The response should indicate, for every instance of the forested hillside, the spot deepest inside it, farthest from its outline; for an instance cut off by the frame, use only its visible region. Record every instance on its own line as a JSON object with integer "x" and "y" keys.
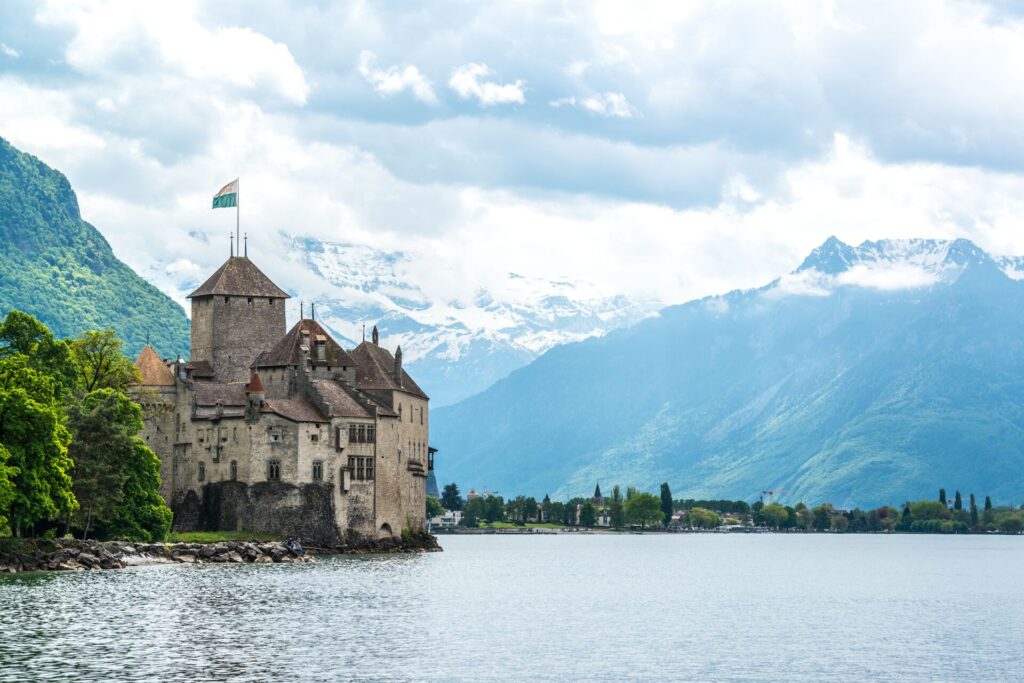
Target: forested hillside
{"x": 60, "y": 269}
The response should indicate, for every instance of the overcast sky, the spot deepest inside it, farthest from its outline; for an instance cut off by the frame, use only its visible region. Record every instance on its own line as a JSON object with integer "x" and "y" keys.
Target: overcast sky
{"x": 663, "y": 150}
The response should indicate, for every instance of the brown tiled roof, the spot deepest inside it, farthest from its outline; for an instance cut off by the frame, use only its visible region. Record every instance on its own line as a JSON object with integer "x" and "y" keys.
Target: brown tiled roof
{"x": 199, "y": 368}
{"x": 255, "y": 385}
{"x": 212, "y": 393}
{"x": 152, "y": 370}
{"x": 375, "y": 367}
{"x": 239, "y": 277}
{"x": 341, "y": 401}
{"x": 287, "y": 352}
{"x": 294, "y": 409}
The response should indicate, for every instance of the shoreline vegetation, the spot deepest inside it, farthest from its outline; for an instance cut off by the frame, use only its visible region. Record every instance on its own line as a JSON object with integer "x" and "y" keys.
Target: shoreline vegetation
{"x": 640, "y": 511}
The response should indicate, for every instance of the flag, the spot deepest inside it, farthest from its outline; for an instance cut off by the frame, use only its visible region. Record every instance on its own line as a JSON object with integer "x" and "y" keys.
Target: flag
{"x": 227, "y": 196}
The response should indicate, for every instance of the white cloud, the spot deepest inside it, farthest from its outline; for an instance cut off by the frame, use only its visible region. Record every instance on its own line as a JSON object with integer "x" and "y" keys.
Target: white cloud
{"x": 393, "y": 79}
{"x": 886, "y": 277}
{"x": 465, "y": 80}
{"x": 152, "y": 39}
{"x": 9, "y": 51}
{"x": 611, "y": 104}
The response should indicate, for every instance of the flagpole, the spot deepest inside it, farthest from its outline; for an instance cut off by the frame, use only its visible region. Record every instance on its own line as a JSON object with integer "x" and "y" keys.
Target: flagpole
{"x": 238, "y": 208}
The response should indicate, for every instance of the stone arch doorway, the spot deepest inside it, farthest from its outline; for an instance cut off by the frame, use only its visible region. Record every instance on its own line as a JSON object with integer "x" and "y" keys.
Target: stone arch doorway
{"x": 385, "y": 531}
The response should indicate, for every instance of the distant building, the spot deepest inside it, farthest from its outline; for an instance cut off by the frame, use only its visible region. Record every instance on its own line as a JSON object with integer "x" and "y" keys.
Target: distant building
{"x": 598, "y": 499}
{"x": 448, "y": 520}
{"x": 284, "y": 431}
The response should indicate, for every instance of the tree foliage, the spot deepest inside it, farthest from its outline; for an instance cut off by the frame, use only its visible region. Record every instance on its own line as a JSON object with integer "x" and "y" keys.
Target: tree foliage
{"x": 101, "y": 363}
{"x": 644, "y": 509}
{"x": 450, "y": 498}
{"x": 588, "y": 515}
{"x": 434, "y": 507}
{"x": 666, "y": 503}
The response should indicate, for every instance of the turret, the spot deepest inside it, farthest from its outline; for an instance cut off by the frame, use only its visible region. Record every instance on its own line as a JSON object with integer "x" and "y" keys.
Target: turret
{"x": 375, "y": 336}
{"x": 398, "y": 366}
{"x": 255, "y": 396}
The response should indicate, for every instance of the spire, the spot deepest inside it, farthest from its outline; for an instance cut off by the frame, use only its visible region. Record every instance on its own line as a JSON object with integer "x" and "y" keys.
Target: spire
{"x": 246, "y": 238}
{"x": 398, "y": 365}
{"x": 597, "y": 490}
{"x": 375, "y": 336}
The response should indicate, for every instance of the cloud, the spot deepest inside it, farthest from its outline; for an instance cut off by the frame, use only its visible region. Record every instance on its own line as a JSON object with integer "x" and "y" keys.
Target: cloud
{"x": 154, "y": 39}
{"x": 9, "y": 51}
{"x": 465, "y": 80}
{"x": 887, "y": 277}
{"x": 393, "y": 80}
{"x": 611, "y": 104}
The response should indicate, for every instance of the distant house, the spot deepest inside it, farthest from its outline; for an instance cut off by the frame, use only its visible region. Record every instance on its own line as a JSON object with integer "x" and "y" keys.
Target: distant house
{"x": 448, "y": 520}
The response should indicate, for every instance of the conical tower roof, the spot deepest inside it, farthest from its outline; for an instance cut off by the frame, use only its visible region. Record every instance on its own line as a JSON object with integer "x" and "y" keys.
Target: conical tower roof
{"x": 239, "y": 277}
{"x": 152, "y": 370}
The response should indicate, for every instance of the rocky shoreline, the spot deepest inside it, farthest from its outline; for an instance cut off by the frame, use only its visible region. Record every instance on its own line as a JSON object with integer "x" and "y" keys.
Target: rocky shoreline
{"x": 31, "y": 555}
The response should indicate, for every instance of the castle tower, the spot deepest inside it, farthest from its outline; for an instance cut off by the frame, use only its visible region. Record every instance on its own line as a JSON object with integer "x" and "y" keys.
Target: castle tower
{"x": 236, "y": 314}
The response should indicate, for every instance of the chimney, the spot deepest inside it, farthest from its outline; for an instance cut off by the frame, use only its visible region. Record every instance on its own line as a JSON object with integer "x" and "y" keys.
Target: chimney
{"x": 182, "y": 372}
{"x": 375, "y": 336}
{"x": 398, "y": 365}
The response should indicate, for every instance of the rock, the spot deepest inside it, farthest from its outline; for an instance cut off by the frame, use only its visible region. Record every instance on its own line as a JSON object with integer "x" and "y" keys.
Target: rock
{"x": 207, "y": 551}
{"x": 88, "y": 559}
{"x": 223, "y": 557}
{"x": 263, "y": 559}
{"x": 233, "y": 556}
{"x": 187, "y": 558}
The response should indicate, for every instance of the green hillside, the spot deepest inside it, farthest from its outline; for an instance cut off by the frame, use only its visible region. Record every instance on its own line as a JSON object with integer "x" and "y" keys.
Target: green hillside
{"x": 59, "y": 268}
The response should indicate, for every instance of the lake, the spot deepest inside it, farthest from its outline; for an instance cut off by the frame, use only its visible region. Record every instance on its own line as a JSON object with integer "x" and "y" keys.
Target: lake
{"x": 706, "y": 607}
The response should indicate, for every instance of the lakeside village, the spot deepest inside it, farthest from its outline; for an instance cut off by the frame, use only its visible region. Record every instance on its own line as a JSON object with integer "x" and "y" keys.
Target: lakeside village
{"x": 640, "y": 511}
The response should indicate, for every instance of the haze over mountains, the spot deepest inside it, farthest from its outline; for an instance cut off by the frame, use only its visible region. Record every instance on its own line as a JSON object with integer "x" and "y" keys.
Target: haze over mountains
{"x": 868, "y": 375}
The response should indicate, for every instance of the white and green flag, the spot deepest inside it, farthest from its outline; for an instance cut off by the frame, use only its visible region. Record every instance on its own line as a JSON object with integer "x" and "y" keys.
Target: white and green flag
{"x": 227, "y": 196}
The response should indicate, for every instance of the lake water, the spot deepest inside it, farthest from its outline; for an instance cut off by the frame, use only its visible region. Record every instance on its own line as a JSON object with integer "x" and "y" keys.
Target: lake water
{"x": 703, "y": 607}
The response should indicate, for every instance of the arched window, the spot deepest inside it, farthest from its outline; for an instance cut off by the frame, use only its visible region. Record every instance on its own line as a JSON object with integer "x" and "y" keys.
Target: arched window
{"x": 202, "y": 471}
{"x": 234, "y": 470}
{"x": 318, "y": 470}
{"x": 273, "y": 470}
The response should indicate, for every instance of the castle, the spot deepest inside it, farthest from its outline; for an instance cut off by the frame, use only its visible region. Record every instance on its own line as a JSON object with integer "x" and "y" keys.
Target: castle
{"x": 282, "y": 431}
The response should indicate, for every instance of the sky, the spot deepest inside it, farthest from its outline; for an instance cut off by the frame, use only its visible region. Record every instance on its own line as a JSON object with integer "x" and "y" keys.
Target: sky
{"x": 664, "y": 150}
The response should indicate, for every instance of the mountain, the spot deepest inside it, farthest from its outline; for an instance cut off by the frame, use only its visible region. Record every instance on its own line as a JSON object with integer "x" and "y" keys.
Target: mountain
{"x": 454, "y": 348}
{"x": 869, "y": 375}
{"x": 59, "y": 268}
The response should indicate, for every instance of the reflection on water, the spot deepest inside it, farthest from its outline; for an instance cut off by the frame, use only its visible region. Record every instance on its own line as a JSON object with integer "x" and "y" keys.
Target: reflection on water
{"x": 690, "y": 607}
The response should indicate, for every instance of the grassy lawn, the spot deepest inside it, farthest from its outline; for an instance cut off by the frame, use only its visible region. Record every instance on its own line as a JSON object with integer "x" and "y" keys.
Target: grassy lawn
{"x": 217, "y": 536}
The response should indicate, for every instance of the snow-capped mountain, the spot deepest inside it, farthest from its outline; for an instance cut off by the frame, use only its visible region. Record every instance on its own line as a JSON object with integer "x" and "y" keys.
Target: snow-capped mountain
{"x": 455, "y": 347}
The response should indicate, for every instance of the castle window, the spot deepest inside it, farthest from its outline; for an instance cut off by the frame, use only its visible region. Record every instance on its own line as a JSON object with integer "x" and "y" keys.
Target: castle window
{"x": 227, "y": 299}
{"x": 275, "y": 437}
{"x": 273, "y": 470}
{"x": 202, "y": 471}
{"x": 421, "y": 415}
{"x": 362, "y": 434}
{"x": 371, "y": 434}
{"x": 352, "y": 434}
{"x": 337, "y": 438}
{"x": 314, "y": 438}
{"x": 318, "y": 470}
{"x": 234, "y": 434}
{"x": 399, "y": 411}
{"x": 270, "y": 302}
{"x": 234, "y": 470}
{"x": 361, "y": 466}
{"x": 249, "y": 301}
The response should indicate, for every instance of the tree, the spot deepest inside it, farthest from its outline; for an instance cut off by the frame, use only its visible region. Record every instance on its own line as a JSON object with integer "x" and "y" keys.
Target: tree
{"x": 630, "y": 492}
{"x": 473, "y": 512}
{"x": 924, "y": 510}
{"x": 840, "y": 523}
{"x": 644, "y": 509}
{"x": 33, "y": 434}
{"x": 974, "y": 513}
{"x": 702, "y": 518}
{"x": 529, "y": 508}
{"x": 450, "y": 498}
{"x": 942, "y": 496}
{"x": 6, "y": 489}
{"x": 101, "y": 363}
{"x": 616, "y": 509}
{"x": 958, "y": 503}
{"x": 434, "y": 507}
{"x": 588, "y": 515}
{"x": 988, "y": 503}
{"x": 821, "y": 517}
{"x": 775, "y": 515}
{"x": 102, "y": 431}
{"x": 23, "y": 335}
{"x": 666, "y": 503}
{"x": 1011, "y": 524}
{"x": 494, "y": 509}
{"x": 115, "y": 472}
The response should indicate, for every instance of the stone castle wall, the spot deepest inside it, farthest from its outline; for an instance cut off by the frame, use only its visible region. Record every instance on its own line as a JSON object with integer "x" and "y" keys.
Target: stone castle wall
{"x": 230, "y": 331}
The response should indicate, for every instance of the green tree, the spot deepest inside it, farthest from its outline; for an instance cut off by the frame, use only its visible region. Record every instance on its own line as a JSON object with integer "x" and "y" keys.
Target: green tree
{"x": 23, "y": 335}
{"x": 494, "y": 509}
{"x": 588, "y": 515}
{"x": 821, "y": 517}
{"x": 6, "y": 489}
{"x": 101, "y": 363}
{"x": 924, "y": 510}
{"x": 142, "y": 514}
{"x": 988, "y": 503}
{"x": 1011, "y": 524}
{"x": 450, "y": 497}
{"x": 666, "y": 503}
{"x": 644, "y": 509}
{"x": 775, "y": 515}
{"x": 103, "y": 426}
{"x": 630, "y": 492}
{"x": 958, "y": 503}
{"x": 115, "y": 472}
{"x": 434, "y": 507}
{"x": 974, "y": 513}
{"x": 942, "y": 496}
{"x": 473, "y": 512}
{"x": 840, "y": 523}
{"x": 616, "y": 509}
{"x": 702, "y": 518}
{"x": 36, "y": 441}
